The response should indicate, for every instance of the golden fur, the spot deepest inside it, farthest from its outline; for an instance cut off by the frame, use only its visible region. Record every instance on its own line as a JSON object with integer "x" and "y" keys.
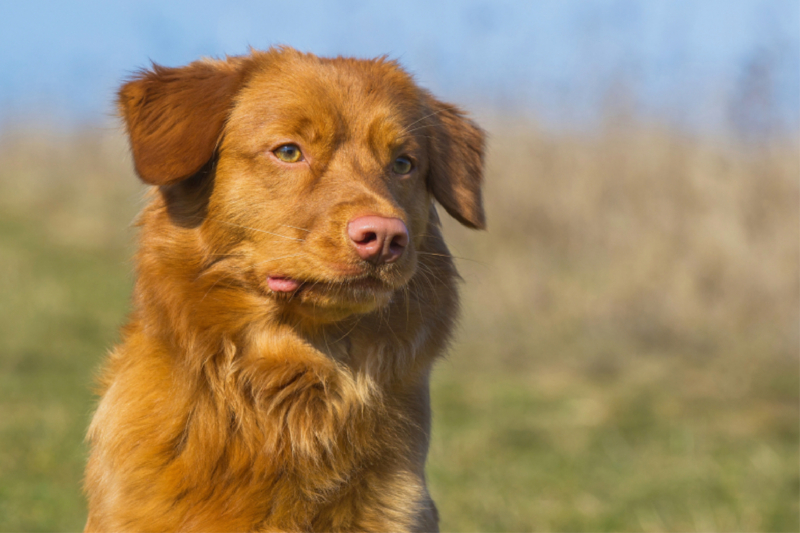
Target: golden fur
{"x": 230, "y": 407}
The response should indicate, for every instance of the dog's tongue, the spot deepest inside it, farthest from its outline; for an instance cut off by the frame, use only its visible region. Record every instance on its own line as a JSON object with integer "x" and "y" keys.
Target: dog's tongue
{"x": 282, "y": 284}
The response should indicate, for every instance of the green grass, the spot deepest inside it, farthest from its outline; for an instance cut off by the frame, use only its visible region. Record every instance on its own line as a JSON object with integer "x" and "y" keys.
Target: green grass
{"x": 60, "y": 309}
{"x": 511, "y": 454}
{"x": 627, "y": 361}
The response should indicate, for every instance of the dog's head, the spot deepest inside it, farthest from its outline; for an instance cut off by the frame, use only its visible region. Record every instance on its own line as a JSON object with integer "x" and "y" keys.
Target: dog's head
{"x": 309, "y": 180}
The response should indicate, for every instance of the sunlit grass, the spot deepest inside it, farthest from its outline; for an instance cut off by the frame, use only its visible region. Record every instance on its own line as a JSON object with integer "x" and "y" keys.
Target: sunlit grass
{"x": 60, "y": 309}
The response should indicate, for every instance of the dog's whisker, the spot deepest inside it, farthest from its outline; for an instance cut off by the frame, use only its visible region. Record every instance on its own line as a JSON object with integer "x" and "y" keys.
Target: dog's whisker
{"x": 427, "y": 274}
{"x": 411, "y": 134}
{"x": 355, "y": 324}
{"x": 254, "y": 229}
{"x": 451, "y": 256}
{"x": 385, "y": 320}
{"x": 295, "y": 227}
{"x": 426, "y": 116}
{"x": 277, "y": 258}
{"x": 218, "y": 280}
{"x": 406, "y": 299}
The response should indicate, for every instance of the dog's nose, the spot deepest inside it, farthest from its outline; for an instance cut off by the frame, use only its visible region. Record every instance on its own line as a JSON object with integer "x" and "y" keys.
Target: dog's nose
{"x": 378, "y": 239}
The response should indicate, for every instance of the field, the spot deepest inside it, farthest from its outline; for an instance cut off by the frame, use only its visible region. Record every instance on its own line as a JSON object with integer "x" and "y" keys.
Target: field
{"x": 627, "y": 359}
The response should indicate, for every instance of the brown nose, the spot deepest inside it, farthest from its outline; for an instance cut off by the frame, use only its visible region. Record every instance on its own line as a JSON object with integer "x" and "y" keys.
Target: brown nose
{"x": 378, "y": 239}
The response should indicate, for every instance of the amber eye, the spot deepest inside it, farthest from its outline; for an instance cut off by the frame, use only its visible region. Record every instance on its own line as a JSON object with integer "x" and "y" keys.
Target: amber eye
{"x": 288, "y": 153}
{"x": 402, "y": 165}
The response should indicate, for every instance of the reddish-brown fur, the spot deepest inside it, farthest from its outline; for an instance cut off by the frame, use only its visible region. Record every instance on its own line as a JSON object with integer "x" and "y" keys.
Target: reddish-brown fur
{"x": 228, "y": 407}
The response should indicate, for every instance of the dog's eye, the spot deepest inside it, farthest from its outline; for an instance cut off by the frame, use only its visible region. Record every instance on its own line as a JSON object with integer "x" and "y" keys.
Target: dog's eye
{"x": 288, "y": 153}
{"x": 402, "y": 165}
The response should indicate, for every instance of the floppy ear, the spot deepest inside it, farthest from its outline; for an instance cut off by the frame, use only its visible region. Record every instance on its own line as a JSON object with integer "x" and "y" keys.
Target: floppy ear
{"x": 174, "y": 116}
{"x": 455, "y": 176}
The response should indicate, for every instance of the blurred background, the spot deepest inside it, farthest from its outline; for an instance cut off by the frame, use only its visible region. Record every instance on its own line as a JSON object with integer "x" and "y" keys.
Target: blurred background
{"x": 628, "y": 359}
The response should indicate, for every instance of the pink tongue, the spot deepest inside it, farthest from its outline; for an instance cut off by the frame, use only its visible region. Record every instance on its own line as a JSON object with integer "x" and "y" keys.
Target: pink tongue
{"x": 282, "y": 284}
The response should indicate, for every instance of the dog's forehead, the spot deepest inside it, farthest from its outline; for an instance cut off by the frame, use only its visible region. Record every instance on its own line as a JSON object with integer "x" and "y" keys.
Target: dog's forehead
{"x": 339, "y": 92}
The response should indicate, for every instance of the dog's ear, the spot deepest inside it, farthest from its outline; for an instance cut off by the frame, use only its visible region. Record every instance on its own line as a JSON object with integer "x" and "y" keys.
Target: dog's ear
{"x": 174, "y": 116}
{"x": 455, "y": 176}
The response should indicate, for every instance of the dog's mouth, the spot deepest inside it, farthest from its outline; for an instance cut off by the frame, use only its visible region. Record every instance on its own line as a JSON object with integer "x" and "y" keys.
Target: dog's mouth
{"x": 347, "y": 289}
{"x": 331, "y": 300}
{"x": 286, "y": 286}
{"x": 340, "y": 290}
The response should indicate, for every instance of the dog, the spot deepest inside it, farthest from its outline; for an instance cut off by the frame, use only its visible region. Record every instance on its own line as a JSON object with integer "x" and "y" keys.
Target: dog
{"x": 293, "y": 290}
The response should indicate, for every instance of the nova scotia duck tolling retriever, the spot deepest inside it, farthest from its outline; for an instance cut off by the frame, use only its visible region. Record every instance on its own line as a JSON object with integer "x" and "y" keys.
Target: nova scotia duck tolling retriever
{"x": 293, "y": 291}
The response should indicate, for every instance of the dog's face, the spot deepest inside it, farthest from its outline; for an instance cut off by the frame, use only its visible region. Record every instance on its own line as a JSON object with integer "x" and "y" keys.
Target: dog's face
{"x": 310, "y": 180}
{"x": 307, "y": 155}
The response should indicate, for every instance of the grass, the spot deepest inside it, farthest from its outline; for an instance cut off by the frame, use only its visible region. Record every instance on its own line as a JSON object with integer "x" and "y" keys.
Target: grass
{"x": 60, "y": 309}
{"x": 627, "y": 361}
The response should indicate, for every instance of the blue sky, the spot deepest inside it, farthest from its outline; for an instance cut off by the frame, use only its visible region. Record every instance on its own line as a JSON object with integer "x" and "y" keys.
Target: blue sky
{"x": 684, "y": 61}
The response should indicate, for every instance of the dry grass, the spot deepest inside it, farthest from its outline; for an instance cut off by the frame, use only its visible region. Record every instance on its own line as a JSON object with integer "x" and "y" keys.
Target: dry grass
{"x": 660, "y": 240}
{"x": 628, "y": 358}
